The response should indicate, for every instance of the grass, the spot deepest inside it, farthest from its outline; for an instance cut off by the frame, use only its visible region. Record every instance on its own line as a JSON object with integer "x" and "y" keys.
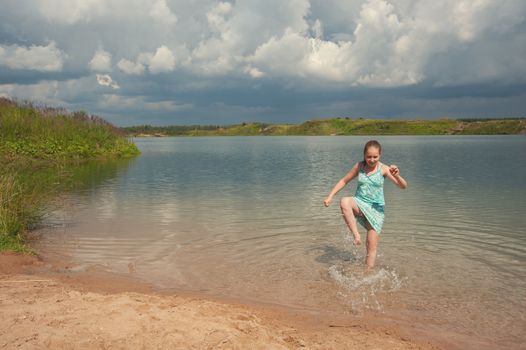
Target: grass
{"x": 39, "y": 147}
{"x": 24, "y": 189}
{"x": 51, "y": 134}
{"x": 19, "y": 205}
{"x": 493, "y": 127}
{"x": 344, "y": 126}
{"x": 14, "y": 244}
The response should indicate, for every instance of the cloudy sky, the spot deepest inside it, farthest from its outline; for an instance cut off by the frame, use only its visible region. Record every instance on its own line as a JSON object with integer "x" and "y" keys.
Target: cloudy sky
{"x": 165, "y": 62}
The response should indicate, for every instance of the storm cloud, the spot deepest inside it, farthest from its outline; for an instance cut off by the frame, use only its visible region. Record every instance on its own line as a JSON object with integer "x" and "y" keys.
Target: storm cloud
{"x": 209, "y": 62}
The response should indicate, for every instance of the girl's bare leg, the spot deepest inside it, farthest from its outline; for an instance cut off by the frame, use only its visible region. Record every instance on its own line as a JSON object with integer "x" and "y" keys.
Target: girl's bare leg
{"x": 371, "y": 244}
{"x": 349, "y": 211}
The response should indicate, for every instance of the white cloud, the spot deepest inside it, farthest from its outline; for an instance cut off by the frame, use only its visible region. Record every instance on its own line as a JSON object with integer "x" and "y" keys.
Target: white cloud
{"x": 254, "y": 72}
{"x": 162, "y": 61}
{"x": 43, "y": 92}
{"x": 161, "y": 12}
{"x": 40, "y": 58}
{"x": 71, "y": 11}
{"x": 355, "y": 42}
{"x": 317, "y": 29}
{"x": 130, "y": 67}
{"x": 236, "y": 30}
{"x": 392, "y": 44}
{"x": 101, "y": 61}
{"x": 106, "y": 80}
{"x": 216, "y": 16}
{"x": 383, "y": 51}
{"x": 301, "y": 44}
{"x": 311, "y": 57}
{"x": 372, "y": 59}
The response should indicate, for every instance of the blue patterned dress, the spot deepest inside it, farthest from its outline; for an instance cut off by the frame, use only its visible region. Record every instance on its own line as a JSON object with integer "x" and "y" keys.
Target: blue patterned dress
{"x": 370, "y": 198}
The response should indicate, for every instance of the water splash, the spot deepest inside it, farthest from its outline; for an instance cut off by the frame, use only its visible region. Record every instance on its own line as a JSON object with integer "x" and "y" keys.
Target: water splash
{"x": 363, "y": 290}
{"x": 359, "y": 288}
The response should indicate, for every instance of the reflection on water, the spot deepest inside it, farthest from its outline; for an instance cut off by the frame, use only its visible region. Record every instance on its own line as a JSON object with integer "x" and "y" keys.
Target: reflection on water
{"x": 243, "y": 217}
{"x": 83, "y": 178}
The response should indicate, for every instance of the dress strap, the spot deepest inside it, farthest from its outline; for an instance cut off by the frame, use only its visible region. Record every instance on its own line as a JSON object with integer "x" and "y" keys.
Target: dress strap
{"x": 378, "y": 168}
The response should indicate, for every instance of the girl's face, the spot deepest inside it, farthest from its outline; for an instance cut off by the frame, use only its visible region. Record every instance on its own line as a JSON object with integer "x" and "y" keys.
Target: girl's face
{"x": 372, "y": 156}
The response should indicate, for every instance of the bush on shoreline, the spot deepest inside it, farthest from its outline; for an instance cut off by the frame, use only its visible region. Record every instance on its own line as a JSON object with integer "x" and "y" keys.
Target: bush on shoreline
{"x": 37, "y": 145}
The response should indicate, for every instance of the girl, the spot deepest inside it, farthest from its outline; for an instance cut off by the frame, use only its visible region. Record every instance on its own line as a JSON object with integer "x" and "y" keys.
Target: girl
{"x": 367, "y": 205}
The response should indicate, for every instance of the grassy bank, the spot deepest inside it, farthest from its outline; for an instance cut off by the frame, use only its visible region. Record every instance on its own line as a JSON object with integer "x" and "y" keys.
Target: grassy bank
{"x": 343, "y": 126}
{"x": 39, "y": 147}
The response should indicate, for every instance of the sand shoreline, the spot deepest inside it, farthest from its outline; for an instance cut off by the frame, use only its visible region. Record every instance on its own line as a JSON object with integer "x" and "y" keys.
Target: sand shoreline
{"x": 45, "y": 306}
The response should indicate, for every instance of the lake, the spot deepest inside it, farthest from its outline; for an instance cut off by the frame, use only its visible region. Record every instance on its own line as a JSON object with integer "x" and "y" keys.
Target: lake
{"x": 243, "y": 217}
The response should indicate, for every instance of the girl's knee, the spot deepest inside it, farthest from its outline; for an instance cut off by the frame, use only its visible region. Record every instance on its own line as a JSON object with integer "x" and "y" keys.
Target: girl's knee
{"x": 345, "y": 203}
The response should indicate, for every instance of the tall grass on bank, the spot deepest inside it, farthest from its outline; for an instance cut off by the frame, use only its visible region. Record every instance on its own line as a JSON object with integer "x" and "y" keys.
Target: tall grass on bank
{"x": 38, "y": 147}
{"x": 19, "y": 209}
{"x": 53, "y": 134}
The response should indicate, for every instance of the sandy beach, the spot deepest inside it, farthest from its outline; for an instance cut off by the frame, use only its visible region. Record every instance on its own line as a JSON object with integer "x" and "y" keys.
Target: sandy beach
{"x": 45, "y": 306}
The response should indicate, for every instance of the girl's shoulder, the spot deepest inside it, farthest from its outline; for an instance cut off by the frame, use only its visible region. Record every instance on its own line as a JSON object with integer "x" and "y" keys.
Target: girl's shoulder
{"x": 384, "y": 169}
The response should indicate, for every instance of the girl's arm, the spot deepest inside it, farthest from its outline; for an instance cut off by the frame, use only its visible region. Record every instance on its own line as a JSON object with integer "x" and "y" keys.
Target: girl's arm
{"x": 341, "y": 184}
{"x": 393, "y": 173}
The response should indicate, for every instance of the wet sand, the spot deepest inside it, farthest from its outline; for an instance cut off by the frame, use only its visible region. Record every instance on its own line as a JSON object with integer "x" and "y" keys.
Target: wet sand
{"x": 49, "y": 305}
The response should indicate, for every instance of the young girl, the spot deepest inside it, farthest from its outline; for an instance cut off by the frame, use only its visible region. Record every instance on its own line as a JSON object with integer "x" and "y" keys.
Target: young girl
{"x": 367, "y": 205}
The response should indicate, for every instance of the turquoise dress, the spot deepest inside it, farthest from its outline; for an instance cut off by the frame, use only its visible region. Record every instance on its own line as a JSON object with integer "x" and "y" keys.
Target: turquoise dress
{"x": 370, "y": 198}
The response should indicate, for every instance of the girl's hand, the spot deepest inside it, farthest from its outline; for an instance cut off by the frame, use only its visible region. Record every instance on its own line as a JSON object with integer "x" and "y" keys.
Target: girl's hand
{"x": 395, "y": 177}
{"x": 327, "y": 201}
{"x": 393, "y": 169}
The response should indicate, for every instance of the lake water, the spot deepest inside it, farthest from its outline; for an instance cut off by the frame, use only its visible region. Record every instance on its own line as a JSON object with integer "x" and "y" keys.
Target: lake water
{"x": 243, "y": 217}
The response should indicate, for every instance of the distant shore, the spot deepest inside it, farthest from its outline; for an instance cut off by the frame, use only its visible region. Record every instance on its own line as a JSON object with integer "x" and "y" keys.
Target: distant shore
{"x": 341, "y": 126}
{"x": 49, "y": 305}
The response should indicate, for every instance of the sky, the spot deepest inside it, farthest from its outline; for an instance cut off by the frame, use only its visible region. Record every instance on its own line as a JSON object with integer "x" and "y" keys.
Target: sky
{"x": 181, "y": 62}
